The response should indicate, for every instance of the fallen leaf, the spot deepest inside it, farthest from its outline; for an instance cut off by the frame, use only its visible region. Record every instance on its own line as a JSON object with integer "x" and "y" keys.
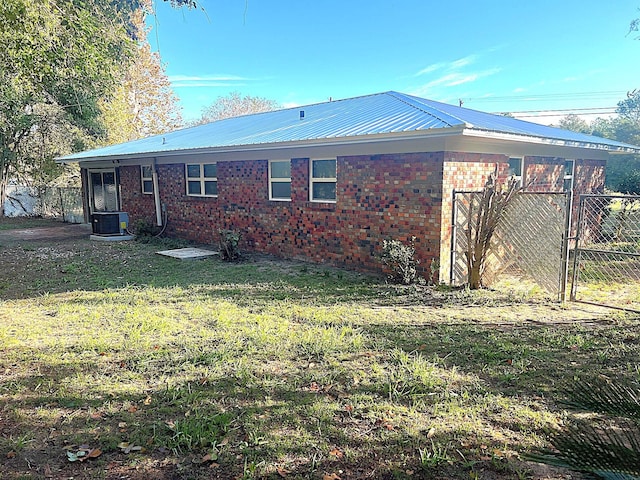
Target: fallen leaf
{"x": 348, "y": 408}
{"x": 47, "y": 471}
{"x": 388, "y": 426}
{"x": 72, "y": 457}
{"x": 282, "y": 472}
{"x": 11, "y": 454}
{"x": 336, "y": 452}
{"x": 431, "y": 433}
{"x": 94, "y": 453}
{"x": 332, "y": 476}
{"x": 214, "y": 465}
{"x": 409, "y": 472}
{"x": 147, "y": 401}
{"x": 133, "y": 409}
{"x": 122, "y": 425}
{"x": 223, "y": 442}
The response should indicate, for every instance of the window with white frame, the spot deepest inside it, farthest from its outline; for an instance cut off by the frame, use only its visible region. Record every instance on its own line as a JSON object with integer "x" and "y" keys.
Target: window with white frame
{"x": 146, "y": 174}
{"x": 202, "y": 179}
{"x": 280, "y": 180}
{"x": 323, "y": 180}
{"x": 516, "y": 168}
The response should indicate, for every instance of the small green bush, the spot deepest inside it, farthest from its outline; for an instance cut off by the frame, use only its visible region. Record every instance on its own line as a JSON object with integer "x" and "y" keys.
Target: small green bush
{"x": 144, "y": 230}
{"x": 399, "y": 258}
{"x": 229, "y": 245}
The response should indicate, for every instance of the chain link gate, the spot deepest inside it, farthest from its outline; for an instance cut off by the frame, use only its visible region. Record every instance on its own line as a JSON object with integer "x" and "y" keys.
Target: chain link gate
{"x": 530, "y": 240}
{"x": 606, "y": 263}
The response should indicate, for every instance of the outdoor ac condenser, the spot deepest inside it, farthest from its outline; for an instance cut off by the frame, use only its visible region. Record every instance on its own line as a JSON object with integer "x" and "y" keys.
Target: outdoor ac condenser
{"x": 109, "y": 223}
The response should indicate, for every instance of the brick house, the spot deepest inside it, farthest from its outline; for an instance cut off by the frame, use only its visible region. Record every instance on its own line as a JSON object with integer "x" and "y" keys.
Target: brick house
{"x": 329, "y": 182}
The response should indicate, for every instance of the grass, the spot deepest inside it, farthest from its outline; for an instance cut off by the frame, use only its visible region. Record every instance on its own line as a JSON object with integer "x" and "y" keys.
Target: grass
{"x": 273, "y": 369}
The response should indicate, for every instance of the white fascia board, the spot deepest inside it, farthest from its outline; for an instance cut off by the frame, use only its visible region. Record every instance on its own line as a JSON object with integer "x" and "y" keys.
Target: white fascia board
{"x": 338, "y": 143}
{"x": 510, "y": 137}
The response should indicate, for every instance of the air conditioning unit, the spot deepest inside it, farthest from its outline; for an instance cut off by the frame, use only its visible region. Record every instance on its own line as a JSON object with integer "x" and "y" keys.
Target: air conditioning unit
{"x": 109, "y": 223}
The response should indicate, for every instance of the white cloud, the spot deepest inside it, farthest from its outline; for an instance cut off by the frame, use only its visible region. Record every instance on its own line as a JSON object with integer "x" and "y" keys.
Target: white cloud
{"x": 444, "y": 75}
{"x": 448, "y": 66}
{"x": 217, "y": 80}
{"x": 454, "y": 79}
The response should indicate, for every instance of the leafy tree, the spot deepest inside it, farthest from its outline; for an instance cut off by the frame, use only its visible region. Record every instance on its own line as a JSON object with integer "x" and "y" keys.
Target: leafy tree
{"x": 575, "y": 124}
{"x": 58, "y": 59}
{"x": 235, "y": 105}
{"x": 622, "y": 171}
{"x": 143, "y": 103}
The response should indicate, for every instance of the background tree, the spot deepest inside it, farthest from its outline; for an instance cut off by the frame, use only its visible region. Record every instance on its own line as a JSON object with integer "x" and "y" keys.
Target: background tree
{"x": 622, "y": 171}
{"x": 143, "y": 103}
{"x": 58, "y": 60}
{"x": 235, "y": 105}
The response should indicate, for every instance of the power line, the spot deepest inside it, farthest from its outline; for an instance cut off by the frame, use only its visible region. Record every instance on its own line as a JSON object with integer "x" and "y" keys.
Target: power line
{"x": 551, "y": 96}
{"x": 562, "y": 112}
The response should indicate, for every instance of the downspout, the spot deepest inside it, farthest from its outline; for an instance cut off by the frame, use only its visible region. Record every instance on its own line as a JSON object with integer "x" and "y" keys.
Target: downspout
{"x": 156, "y": 192}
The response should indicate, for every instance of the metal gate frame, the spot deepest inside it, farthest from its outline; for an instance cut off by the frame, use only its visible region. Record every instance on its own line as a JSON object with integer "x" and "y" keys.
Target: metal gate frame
{"x": 563, "y": 247}
{"x": 581, "y": 248}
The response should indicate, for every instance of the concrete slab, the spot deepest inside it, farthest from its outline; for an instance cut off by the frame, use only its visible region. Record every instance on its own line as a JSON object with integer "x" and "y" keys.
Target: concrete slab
{"x": 111, "y": 238}
{"x": 188, "y": 253}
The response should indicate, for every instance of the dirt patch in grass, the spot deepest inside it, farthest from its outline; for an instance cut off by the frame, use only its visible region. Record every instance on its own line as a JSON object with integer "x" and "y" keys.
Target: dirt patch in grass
{"x": 273, "y": 369}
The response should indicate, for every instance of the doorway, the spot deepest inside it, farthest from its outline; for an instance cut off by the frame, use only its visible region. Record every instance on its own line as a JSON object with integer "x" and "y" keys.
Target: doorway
{"x": 104, "y": 191}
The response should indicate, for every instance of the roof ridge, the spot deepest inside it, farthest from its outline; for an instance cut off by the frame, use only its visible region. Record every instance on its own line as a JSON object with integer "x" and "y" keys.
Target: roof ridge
{"x": 409, "y": 100}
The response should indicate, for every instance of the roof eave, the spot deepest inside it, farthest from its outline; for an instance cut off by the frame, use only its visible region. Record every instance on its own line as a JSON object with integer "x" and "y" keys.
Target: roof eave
{"x": 496, "y": 135}
{"x": 322, "y": 142}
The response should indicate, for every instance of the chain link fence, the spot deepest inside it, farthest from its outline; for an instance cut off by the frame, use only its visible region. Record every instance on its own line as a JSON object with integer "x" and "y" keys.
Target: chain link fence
{"x": 606, "y": 258}
{"x": 64, "y": 203}
{"x": 529, "y": 241}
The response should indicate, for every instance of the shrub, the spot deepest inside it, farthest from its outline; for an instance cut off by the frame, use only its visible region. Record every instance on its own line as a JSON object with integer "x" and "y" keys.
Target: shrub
{"x": 145, "y": 230}
{"x": 229, "y": 245}
{"x": 400, "y": 259}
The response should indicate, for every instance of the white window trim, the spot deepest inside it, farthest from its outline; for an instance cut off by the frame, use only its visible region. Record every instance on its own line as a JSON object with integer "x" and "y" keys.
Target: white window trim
{"x": 202, "y": 179}
{"x": 313, "y": 180}
{"x": 519, "y": 178}
{"x": 277, "y": 180}
{"x": 146, "y": 179}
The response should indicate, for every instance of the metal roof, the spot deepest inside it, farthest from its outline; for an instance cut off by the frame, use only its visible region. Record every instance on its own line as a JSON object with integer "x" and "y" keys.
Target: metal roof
{"x": 388, "y": 114}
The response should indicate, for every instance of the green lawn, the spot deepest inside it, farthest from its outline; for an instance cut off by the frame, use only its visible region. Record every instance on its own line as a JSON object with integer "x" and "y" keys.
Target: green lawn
{"x": 272, "y": 369}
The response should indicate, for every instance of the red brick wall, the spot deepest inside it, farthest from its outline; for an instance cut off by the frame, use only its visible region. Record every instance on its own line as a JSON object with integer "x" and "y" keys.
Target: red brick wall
{"x": 463, "y": 171}
{"x": 139, "y": 206}
{"x": 379, "y": 197}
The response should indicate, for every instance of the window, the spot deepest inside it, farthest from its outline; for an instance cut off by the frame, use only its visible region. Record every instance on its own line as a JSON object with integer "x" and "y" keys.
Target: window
{"x": 323, "y": 180}
{"x": 280, "y": 180}
{"x": 569, "y": 166}
{"x": 202, "y": 179}
{"x": 516, "y": 167}
{"x": 146, "y": 172}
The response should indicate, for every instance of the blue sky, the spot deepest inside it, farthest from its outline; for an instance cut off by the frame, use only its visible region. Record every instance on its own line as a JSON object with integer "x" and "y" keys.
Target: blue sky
{"x": 495, "y": 55}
